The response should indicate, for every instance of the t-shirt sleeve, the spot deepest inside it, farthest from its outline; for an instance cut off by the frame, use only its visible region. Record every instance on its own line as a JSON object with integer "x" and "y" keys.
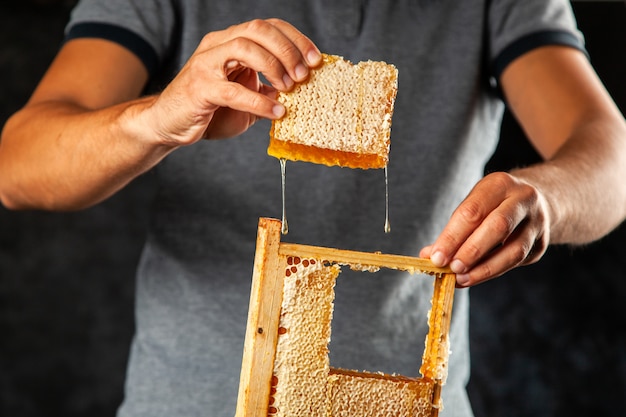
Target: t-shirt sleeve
{"x": 145, "y": 27}
{"x": 516, "y": 27}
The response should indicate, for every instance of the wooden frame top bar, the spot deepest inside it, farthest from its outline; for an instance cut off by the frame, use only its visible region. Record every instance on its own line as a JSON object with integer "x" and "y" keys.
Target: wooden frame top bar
{"x": 365, "y": 259}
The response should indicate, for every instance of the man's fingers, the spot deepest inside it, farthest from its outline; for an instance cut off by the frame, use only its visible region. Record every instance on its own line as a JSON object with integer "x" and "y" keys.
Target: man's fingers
{"x": 289, "y": 46}
{"x": 307, "y": 48}
{"x": 501, "y": 224}
{"x": 520, "y": 249}
{"x": 288, "y": 53}
{"x": 237, "y": 97}
{"x": 494, "y": 230}
{"x": 470, "y": 214}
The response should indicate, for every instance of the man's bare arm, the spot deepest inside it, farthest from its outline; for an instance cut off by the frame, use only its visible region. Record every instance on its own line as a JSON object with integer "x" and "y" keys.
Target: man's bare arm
{"x": 575, "y": 196}
{"x": 582, "y": 139}
{"x": 59, "y": 150}
{"x": 85, "y": 133}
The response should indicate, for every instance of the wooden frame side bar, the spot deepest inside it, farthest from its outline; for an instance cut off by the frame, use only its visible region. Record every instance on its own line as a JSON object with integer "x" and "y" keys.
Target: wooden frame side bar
{"x": 263, "y": 317}
{"x": 437, "y": 350}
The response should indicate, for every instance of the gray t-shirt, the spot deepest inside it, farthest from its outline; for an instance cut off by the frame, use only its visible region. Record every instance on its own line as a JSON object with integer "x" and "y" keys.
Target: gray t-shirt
{"x": 194, "y": 277}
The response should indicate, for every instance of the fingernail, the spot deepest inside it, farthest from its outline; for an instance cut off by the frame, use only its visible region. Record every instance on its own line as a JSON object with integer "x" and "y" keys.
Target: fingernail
{"x": 232, "y": 64}
{"x": 287, "y": 81}
{"x": 278, "y": 110}
{"x": 458, "y": 267}
{"x": 301, "y": 71}
{"x": 462, "y": 279}
{"x": 438, "y": 259}
{"x": 313, "y": 57}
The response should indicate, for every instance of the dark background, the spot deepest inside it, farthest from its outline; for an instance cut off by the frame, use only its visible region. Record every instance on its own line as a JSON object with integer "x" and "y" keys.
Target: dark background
{"x": 547, "y": 340}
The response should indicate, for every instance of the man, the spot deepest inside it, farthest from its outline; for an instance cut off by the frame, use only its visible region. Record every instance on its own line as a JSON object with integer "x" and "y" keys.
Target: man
{"x": 139, "y": 84}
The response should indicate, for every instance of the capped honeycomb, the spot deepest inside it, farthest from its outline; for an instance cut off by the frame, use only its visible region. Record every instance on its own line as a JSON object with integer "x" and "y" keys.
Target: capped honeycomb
{"x": 304, "y": 384}
{"x": 300, "y": 374}
{"x": 377, "y": 395}
{"x": 340, "y": 116}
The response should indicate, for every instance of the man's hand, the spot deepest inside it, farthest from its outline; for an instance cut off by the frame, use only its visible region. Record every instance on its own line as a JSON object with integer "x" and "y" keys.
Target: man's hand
{"x": 218, "y": 93}
{"x": 574, "y": 197}
{"x": 503, "y": 223}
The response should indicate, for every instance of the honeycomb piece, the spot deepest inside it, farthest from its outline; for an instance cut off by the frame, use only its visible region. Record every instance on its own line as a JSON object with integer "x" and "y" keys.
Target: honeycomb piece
{"x": 300, "y": 373}
{"x": 340, "y": 116}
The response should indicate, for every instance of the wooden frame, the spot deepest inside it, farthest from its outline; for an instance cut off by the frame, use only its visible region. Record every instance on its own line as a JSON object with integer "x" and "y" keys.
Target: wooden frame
{"x": 265, "y": 307}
